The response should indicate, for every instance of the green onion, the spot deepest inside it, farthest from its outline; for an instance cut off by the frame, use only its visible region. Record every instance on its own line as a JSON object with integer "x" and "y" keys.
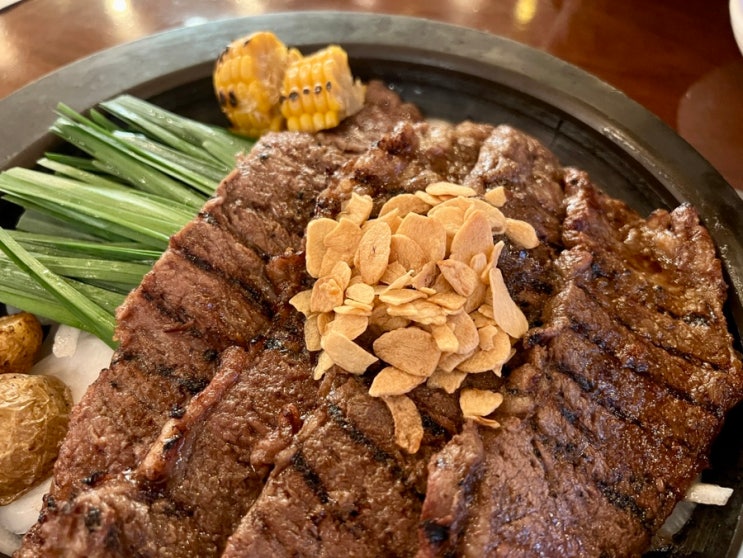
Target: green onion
{"x": 126, "y": 274}
{"x": 99, "y": 214}
{"x": 107, "y": 210}
{"x": 18, "y": 291}
{"x": 127, "y": 165}
{"x": 77, "y": 170}
{"x": 54, "y": 245}
{"x": 90, "y": 315}
{"x": 169, "y": 128}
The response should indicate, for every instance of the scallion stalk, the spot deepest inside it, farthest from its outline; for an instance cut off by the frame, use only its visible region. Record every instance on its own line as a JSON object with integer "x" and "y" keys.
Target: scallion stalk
{"x": 91, "y": 316}
{"x": 94, "y": 224}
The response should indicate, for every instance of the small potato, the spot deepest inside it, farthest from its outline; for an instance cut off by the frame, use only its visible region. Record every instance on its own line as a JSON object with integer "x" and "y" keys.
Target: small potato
{"x": 34, "y": 415}
{"x": 20, "y": 339}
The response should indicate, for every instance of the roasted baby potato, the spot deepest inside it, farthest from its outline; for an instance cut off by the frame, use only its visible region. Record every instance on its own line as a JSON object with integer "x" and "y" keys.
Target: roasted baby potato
{"x": 34, "y": 414}
{"x": 20, "y": 339}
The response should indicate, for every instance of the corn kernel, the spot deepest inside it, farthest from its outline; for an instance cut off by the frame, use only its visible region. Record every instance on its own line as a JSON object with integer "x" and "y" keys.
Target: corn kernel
{"x": 264, "y": 86}
{"x": 321, "y": 86}
{"x": 247, "y": 80}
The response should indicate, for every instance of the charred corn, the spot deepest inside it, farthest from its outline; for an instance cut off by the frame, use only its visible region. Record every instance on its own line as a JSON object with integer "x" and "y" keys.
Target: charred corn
{"x": 247, "y": 81}
{"x": 319, "y": 91}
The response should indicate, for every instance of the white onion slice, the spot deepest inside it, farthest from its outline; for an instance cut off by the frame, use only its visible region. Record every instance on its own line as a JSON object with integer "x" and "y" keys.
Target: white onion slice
{"x": 65, "y": 341}
{"x": 9, "y": 542}
{"x": 87, "y": 356}
{"x": 708, "y": 494}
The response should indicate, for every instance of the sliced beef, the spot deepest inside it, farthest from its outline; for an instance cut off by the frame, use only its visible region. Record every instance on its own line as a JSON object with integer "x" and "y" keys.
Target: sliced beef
{"x": 203, "y": 470}
{"x": 409, "y": 158}
{"x": 207, "y": 434}
{"x": 128, "y": 400}
{"x": 452, "y": 474}
{"x": 531, "y": 174}
{"x": 344, "y": 488}
{"x": 609, "y": 419}
{"x": 383, "y": 107}
{"x": 532, "y": 178}
{"x": 250, "y": 227}
{"x": 222, "y": 282}
{"x": 532, "y": 501}
{"x": 172, "y": 327}
{"x": 666, "y": 269}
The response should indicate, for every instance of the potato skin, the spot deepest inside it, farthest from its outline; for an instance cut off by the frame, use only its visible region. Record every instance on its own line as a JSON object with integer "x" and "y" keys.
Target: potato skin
{"x": 34, "y": 416}
{"x": 20, "y": 339}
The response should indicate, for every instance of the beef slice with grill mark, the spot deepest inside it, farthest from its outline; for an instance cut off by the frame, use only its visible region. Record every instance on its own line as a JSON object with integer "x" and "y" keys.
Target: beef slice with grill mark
{"x": 613, "y": 383}
{"x": 171, "y": 328}
{"x": 202, "y": 472}
{"x": 118, "y": 406}
{"x": 250, "y": 227}
{"x": 382, "y": 107}
{"x": 267, "y": 200}
{"x": 296, "y": 509}
{"x": 101, "y": 519}
{"x": 452, "y": 473}
{"x": 683, "y": 315}
{"x": 604, "y": 479}
{"x": 172, "y": 347}
{"x": 532, "y": 178}
{"x": 344, "y": 488}
{"x": 532, "y": 501}
{"x": 697, "y": 382}
{"x": 611, "y": 422}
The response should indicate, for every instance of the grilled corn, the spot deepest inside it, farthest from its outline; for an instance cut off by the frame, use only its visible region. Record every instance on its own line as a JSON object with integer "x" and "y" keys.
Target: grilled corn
{"x": 264, "y": 86}
{"x": 247, "y": 81}
{"x": 319, "y": 91}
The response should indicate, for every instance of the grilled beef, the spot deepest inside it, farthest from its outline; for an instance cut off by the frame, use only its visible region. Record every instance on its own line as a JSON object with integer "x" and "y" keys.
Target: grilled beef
{"x": 197, "y": 302}
{"x": 344, "y": 488}
{"x": 611, "y": 415}
{"x": 533, "y": 177}
{"x": 207, "y": 434}
{"x": 311, "y": 501}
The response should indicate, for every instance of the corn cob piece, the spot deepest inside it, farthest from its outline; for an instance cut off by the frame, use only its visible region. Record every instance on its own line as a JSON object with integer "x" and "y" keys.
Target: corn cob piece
{"x": 319, "y": 91}
{"x": 247, "y": 81}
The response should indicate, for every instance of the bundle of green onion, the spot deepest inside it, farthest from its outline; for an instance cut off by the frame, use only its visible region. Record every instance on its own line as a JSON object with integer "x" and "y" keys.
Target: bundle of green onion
{"x": 93, "y": 225}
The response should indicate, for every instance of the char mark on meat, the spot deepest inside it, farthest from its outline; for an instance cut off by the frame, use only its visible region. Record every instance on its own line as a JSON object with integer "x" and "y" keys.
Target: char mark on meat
{"x": 344, "y": 489}
{"x": 253, "y": 230}
{"x": 610, "y": 415}
{"x": 196, "y": 303}
{"x": 356, "y": 435}
{"x": 248, "y": 413}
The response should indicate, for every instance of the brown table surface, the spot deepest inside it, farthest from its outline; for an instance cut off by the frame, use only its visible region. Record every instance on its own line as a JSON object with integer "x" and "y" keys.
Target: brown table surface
{"x": 677, "y": 58}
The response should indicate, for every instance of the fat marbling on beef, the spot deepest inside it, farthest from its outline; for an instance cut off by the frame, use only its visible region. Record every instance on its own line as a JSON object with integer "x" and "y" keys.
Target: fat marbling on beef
{"x": 207, "y": 436}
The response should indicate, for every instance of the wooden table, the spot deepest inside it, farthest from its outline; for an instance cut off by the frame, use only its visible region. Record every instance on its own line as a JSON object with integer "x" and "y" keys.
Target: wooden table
{"x": 678, "y": 59}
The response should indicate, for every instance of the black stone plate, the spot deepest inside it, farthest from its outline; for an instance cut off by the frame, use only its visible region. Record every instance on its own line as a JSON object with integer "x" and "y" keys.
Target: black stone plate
{"x": 453, "y": 73}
